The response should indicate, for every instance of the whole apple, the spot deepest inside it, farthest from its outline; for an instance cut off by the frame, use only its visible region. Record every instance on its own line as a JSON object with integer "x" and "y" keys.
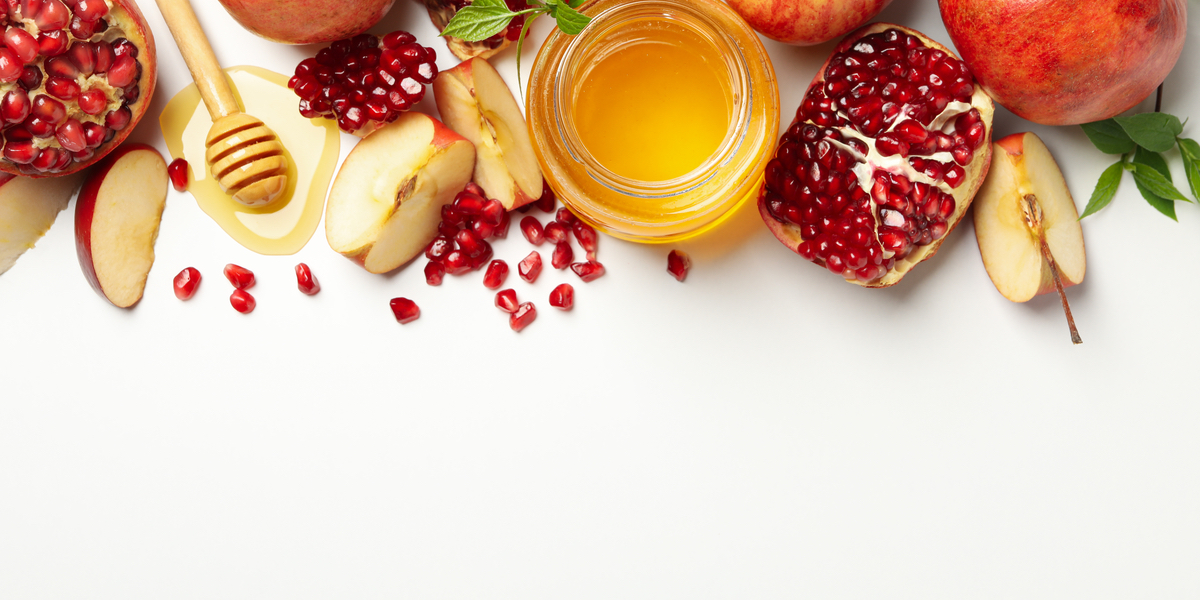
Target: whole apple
{"x": 307, "y": 21}
{"x": 806, "y": 22}
{"x": 1065, "y": 62}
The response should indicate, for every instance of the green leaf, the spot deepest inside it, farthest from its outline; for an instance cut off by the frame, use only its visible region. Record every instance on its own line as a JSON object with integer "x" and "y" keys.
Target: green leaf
{"x": 1153, "y": 181}
{"x": 1153, "y": 131}
{"x": 1106, "y": 189}
{"x": 1108, "y": 136}
{"x": 570, "y": 21}
{"x": 479, "y": 20}
{"x": 1191, "y": 164}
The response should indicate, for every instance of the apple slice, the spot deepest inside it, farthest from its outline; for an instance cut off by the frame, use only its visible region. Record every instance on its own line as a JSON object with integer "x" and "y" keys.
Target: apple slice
{"x": 116, "y": 222}
{"x": 474, "y": 101}
{"x": 387, "y": 199}
{"x": 1027, "y": 225}
{"x": 28, "y": 208}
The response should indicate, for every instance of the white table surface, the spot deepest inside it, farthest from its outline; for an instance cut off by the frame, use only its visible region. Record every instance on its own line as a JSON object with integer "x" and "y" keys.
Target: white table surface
{"x": 761, "y": 431}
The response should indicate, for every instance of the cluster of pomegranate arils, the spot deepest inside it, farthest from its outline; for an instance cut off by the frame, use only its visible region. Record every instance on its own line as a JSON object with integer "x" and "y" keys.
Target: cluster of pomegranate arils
{"x": 71, "y": 94}
{"x": 242, "y": 279}
{"x": 364, "y": 80}
{"x": 866, "y": 170}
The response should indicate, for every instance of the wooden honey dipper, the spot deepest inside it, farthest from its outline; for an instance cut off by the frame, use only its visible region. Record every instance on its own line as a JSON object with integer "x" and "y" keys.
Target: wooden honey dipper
{"x": 243, "y": 154}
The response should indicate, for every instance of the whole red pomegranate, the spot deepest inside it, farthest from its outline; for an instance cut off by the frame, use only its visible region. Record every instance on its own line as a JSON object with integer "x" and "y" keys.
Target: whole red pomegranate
{"x": 806, "y": 22}
{"x": 75, "y": 77}
{"x": 883, "y": 158}
{"x": 1064, "y": 62}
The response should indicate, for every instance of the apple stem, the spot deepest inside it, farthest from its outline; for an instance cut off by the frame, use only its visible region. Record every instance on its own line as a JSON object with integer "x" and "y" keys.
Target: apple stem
{"x": 1033, "y": 217}
{"x": 1158, "y": 99}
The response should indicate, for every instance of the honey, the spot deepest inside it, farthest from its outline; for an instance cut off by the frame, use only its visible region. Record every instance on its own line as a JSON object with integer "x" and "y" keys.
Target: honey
{"x": 311, "y": 145}
{"x": 656, "y": 121}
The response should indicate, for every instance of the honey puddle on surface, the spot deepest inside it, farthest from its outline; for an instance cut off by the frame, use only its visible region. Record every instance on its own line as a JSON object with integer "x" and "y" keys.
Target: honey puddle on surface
{"x": 311, "y": 145}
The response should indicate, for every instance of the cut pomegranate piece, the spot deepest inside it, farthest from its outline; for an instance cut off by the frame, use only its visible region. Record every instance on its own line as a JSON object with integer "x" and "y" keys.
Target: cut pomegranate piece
{"x": 178, "y": 171}
{"x": 66, "y": 83}
{"x": 441, "y": 11}
{"x": 531, "y": 228}
{"x": 364, "y": 82}
{"x": 305, "y": 280}
{"x": 506, "y": 300}
{"x": 242, "y": 301}
{"x": 522, "y": 317}
{"x": 678, "y": 263}
{"x": 530, "y": 267}
{"x": 406, "y": 310}
{"x": 434, "y": 273}
{"x": 865, "y": 181}
{"x": 240, "y": 277}
{"x": 496, "y": 273}
{"x": 563, "y": 296}
{"x": 563, "y": 255}
{"x": 186, "y": 283}
{"x": 588, "y": 271}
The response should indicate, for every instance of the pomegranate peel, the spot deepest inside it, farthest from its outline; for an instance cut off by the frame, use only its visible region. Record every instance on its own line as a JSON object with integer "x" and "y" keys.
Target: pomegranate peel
{"x": 840, "y": 190}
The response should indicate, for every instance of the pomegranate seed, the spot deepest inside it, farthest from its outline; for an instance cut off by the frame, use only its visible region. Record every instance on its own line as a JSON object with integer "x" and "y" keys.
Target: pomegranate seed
{"x": 524, "y": 315}
{"x": 563, "y": 296}
{"x": 123, "y": 71}
{"x": 469, "y": 243}
{"x": 48, "y": 109}
{"x": 23, "y": 45}
{"x": 240, "y": 277}
{"x": 91, "y": 10}
{"x": 457, "y": 262}
{"x": 563, "y": 255}
{"x": 554, "y": 232}
{"x": 31, "y": 78}
{"x": 71, "y": 137}
{"x": 434, "y": 273}
{"x": 178, "y": 172}
{"x": 532, "y": 230}
{"x": 15, "y": 107}
{"x": 186, "y": 283}
{"x": 406, "y": 310}
{"x": 506, "y": 300}
{"x": 530, "y": 267}
{"x": 588, "y": 271}
{"x": 118, "y": 119}
{"x": 53, "y": 15}
{"x": 95, "y": 135}
{"x": 565, "y": 216}
{"x": 83, "y": 55}
{"x": 492, "y": 212}
{"x": 439, "y": 248}
{"x": 496, "y": 273}
{"x": 585, "y": 235}
{"x": 21, "y": 153}
{"x": 242, "y": 301}
{"x": 678, "y": 264}
{"x": 54, "y": 43}
{"x": 501, "y": 230}
{"x": 10, "y": 66}
{"x": 305, "y": 280}
{"x": 547, "y": 201}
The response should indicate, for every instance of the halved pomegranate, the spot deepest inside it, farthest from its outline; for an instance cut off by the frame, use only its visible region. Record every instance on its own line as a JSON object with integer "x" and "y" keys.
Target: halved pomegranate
{"x": 883, "y": 158}
{"x": 75, "y": 78}
{"x": 441, "y": 11}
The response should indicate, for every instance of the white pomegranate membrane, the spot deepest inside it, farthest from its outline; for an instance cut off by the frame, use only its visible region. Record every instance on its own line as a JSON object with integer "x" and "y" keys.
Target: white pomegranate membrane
{"x": 68, "y": 76}
{"x": 868, "y": 169}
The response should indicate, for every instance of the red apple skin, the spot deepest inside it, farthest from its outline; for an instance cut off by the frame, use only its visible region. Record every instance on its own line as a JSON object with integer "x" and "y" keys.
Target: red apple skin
{"x": 806, "y": 22}
{"x": 307, "y": 21}
{"x": 1065, "y": 62}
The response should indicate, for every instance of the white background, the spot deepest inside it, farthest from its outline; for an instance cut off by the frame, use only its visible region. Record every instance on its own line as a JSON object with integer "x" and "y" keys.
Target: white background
{"x": 760, "y": 431}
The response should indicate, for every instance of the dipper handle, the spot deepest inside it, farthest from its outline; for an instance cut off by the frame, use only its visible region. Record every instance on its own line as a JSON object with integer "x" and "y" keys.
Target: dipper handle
{"x": 198, "y": 55}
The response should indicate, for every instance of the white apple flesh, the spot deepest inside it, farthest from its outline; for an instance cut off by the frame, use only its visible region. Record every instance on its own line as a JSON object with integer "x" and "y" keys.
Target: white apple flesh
{"x": 116, "y": 222}
{"x": 28, "y": 208}
{"x": 1027, "y": 225}
{"x": 386, "y": 202}
{"x": 475, "y": 102}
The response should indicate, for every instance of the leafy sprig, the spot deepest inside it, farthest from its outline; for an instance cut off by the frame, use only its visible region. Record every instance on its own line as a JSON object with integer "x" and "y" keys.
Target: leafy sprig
{"x": 1141, "y": 140}
{"x": 481, "y": 19}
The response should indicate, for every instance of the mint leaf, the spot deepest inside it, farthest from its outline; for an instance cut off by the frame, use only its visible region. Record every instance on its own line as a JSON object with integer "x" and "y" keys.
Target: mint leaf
{"x": 1153, "y": 131}
{"x": 1108, "y": 137}
{"x": 479, "y": 20}
{"x": 570, "y": 21}
{"x": 1191, "y": 164}
{"x": 1152, "y": 181}
{"x": 1106, "y": 189}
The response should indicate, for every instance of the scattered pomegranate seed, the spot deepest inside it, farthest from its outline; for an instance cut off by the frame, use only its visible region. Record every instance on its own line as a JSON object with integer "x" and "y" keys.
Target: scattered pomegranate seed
{"x": 178, "y": 171}
{"x": 501, "y": 230}
{"x": 242, "y": 301}
{"x": 547, "y": 201}
{"x": 524, "y": 315}
{"x": 566, "y": 217}
{"x": 241, "y": 277}
{"x": 554, "y": 232}
{"x": 678, "y": 264}
{"x": 532, "y": 230}
{"x": 563, "y": 255}
{"x": 506, "y": 300}
{"x": 563, "y": 297}
{"x": 434, "y": 272}
{"x": 588, "y": 271}
{"x": 406, "y": 310}
{"x": 585, "y": 235}
{"x": 186, "y": 283}
{"x": 530, "y": 267}
{"x": 305, "y": 280}
{"x": 496, "y": 273}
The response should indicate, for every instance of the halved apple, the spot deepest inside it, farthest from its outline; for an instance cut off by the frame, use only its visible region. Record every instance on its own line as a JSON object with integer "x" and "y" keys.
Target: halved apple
{"x": 387, "y": 199}
{"x": 116, "y": 222}
{"x": 28, "y": 208}
{"x": 1027, "y": 225}
{"x": 474, "y": 101}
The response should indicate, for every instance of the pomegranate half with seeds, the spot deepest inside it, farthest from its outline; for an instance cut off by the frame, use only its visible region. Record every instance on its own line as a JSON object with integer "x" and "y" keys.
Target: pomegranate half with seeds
{"x": 441, "y": 11}
{"x": 887, "y": 150}
{"x": 75, "y": 78}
